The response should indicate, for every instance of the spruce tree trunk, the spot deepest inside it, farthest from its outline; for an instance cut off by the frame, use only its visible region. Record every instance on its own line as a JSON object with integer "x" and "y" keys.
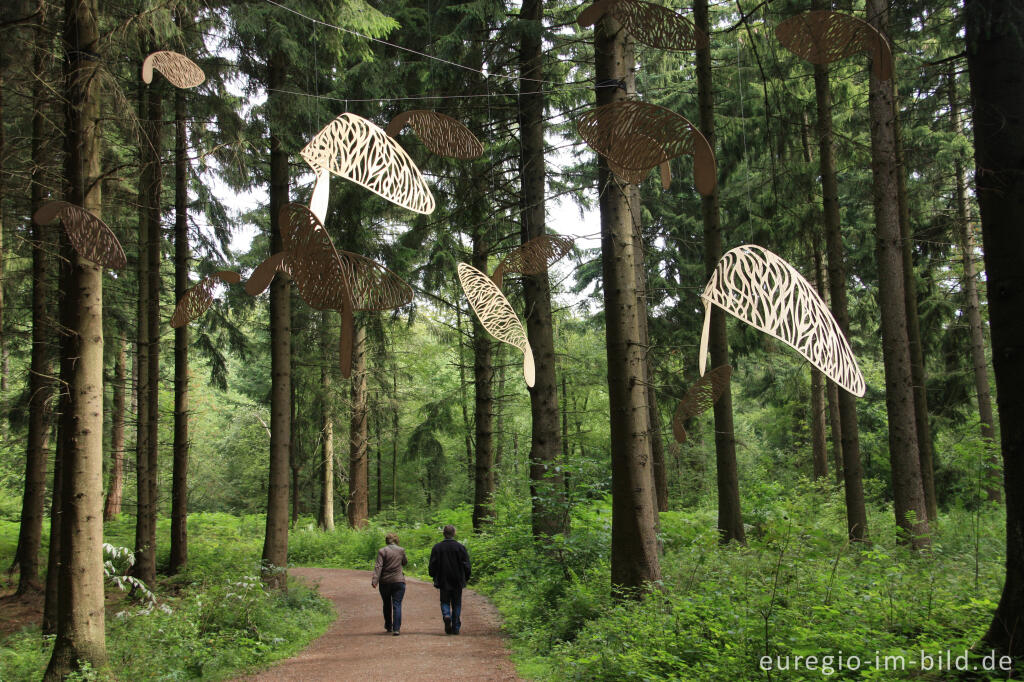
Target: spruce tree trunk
{"x": 483, "y": 409}
{"x": 358, "y": 489}
{"x": 394, "y": 437}
{"x": 145, "y": 516}
{"x": 844, "y": 430}
{"x": 819, "y": 445}
{"x": 965, "y": 240}
{"x": 153, "y": 299}
{"x": 730, "y": 517}
{"x": 115, "y": 486}
{"x": 326, "y": 516}
{"x": 995, "y": 59}
{"x": 40, "y": 385}
{"x": 182, "y": 258}
{"x": 634, "y": 548}
{"x": 51, "y": 595}
{"x": 275, "y": 543}
{"x": 80, "y": 613}
{"x": 908, "y": 492}
{"x": 918, "y": 373}
{"x": 545, "y": 443}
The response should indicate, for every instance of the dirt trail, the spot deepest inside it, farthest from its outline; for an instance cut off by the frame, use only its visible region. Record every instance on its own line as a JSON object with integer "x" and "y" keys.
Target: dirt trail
{"x": 356, "y": 647}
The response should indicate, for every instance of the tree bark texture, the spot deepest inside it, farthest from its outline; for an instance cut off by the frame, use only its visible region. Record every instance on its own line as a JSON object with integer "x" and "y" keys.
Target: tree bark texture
{"x": 80, "y": 614}
{"x": 995, "y": 59}
{"x": 634, "y": 551}
{"x": 908, "y": 492}
{"x": 730, "y": 516}
{"x": 182, "y": 263}
{"x": 115, "y": 486}
{"x": 358, "y": 484}
{"x": 326, "y": 516}
{"x": 483, "y": 406}
{"x": 153, "y": 243}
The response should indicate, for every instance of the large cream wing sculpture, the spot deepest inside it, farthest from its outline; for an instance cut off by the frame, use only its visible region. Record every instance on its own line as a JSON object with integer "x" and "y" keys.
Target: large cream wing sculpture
{"x": 496, "y": 314}
{"x": 179, "y": 70}
{"x": 90, "y": 237}
{"x": 768, "y": 293}
{"x": 355, "y": 149}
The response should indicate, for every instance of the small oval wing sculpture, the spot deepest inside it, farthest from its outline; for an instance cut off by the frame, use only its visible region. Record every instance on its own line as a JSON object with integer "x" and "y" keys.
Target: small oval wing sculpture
{"x": 823, "y": 36}
{"x": 441, "y": 134}
{"x": 496, "y": 314}
{"x": 649, "y": 24}
{"x": 90, "y": 237}
{"x": 768, "y": 293}
{"x": 198, "y": 299}
{"x": 700, "y": 398}
{"x": 355, "y": 149}
{"x": 534, "y": 257}
{"x": 637, "y": 137}
{"x": 179, "y": 70}
{"x": 371, "y": 285}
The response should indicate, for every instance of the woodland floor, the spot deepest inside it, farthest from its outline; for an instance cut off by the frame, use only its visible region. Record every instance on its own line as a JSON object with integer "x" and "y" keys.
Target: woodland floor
{"x": 356, "y": 647}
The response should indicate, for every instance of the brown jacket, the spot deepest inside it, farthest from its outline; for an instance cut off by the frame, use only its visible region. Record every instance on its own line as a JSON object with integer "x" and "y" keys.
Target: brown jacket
{"x": 388, "y": 569}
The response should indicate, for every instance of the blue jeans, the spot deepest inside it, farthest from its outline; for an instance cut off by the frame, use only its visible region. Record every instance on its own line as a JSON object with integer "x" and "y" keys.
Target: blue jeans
{"x": 392, "y": 594}
{"x": 451, "y": 606}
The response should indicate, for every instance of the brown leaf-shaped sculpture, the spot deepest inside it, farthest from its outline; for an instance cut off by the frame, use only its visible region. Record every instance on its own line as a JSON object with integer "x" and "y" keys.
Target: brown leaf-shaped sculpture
{"x": 637, "y": 137}
{"x": 179, "y": 70}
{"x": 768, "y": 293}
{"x": 496, "y": 314}
{"x": 700, "y": 398}
{"x": 355, "y": 149}
{"x": 534, "y": 257}
{"x": 264, "y": 273}
{"x": 823, "y": 36}
{"x": 198, "y": 299}
{"x": 90, "y": 237}
{"x": 648, "y": 23}
{"x": 441, "y": 134}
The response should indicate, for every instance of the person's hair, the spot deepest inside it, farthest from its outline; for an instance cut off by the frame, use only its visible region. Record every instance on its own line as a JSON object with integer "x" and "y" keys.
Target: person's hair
{"x": 449, "y": 531}
{"x": 391, "y": 538}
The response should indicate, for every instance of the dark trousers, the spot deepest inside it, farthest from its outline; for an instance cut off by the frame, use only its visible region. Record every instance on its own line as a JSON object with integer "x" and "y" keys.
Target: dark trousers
{"x": 391, "y": 594}
{"x": 451, "y": 606}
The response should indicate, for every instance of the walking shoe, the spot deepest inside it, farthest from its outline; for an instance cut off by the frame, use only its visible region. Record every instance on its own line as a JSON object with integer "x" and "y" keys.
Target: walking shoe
{"x": 396, "y": 633}
{"x": 454, "y": 631}
{"x": 447, "y": 625}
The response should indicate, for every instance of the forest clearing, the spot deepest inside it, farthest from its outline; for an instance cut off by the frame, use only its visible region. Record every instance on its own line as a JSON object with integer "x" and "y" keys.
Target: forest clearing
{"x": 300, "y": 296}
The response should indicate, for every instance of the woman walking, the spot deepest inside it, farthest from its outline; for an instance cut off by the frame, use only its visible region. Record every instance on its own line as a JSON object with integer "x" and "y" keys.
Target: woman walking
{"x": 388, "y": 576}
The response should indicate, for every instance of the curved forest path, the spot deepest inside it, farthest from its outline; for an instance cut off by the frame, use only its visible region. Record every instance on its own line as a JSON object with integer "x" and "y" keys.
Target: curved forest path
{"x": 356, "y": 647}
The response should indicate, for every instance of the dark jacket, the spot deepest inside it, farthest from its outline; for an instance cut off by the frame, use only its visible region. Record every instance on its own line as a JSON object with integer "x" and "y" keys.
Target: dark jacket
{"x": 449, "y": 565}
{"x": 388, "y": 568}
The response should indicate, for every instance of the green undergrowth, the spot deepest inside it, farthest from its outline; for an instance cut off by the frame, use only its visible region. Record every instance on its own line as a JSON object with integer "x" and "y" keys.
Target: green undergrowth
{"x": 213, "y": 621}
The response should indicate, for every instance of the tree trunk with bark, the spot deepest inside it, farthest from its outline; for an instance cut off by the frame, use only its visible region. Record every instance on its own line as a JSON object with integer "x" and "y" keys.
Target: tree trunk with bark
{"x": 275, "y": 543}
{"x": 154, "y": 290}
{"x": 115, "y": 486}
{"x": 326, "y": 516}
{"x": 730, "y": 516}
{"x": 908, "y": 492}
{"x": 995, "y": 59}
{"x": 634, "y": 551}
{"x": 358, "y": 488}
{"x": 80, "y": 614}
{"x": 483, "y": 408}
{"x": 182, "y": 262}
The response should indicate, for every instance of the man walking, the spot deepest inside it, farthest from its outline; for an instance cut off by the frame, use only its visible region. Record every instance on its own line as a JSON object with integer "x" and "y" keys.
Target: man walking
{"x": 449, "y": 567}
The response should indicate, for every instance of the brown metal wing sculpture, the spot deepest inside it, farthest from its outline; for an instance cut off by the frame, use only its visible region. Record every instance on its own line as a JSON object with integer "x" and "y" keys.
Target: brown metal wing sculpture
{"x": 179, "y": 70}
{"x": 823, "y": 36}
{"x": 533, "y": 258}
{"x": 496, "y": 314}
{"x": 355, "y": 149}
{"x": 441, "y": 134}
{"x": 769, "y": 294}
{"x": 90, "y": 237}
{"x": 636, "y": 137}
{"x": 648, "y": 23}
{"x": 700, "y": 398}
{"x": 198, "y": 299}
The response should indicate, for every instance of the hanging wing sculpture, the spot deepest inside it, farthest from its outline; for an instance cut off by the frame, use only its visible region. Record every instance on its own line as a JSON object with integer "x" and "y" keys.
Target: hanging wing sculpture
{"x": 496, "y": 314}
{"x": 650, "y": 24}
{"x": 441, "y": 134}
{"x": 700, "y": 398}
{"x": 532, "y": 258}
{"x": 823, "y": 36}
{"x": 635, "y": 137}
{"x": 355, "y": 149}
{"x": 90, "y": 237}
{"x": 768, "y": 293}
{"x": 179, "y": 70}
{"x": 198, "y": 299}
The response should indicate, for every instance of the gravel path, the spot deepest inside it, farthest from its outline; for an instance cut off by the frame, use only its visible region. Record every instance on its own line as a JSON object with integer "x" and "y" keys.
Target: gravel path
{"x": 355, "y": 647}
